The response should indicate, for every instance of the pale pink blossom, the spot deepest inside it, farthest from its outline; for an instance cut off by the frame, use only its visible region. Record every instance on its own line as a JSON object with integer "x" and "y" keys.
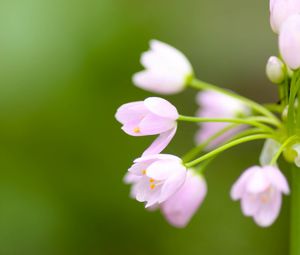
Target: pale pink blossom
{"x": 153, "y": 116}
{"x": 180, "y": 208}
{"x": 156, "y": 178}
{"x": 280, "y": 11}
{"x": 166, "y": 69}
{"x": 217, "y": 105}
{"x": 260, "y": 191}
{"x": 289, "y": 41}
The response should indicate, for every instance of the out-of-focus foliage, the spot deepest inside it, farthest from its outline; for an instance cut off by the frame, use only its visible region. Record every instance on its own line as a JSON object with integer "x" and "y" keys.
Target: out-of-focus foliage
{"x": 65, "y": 66}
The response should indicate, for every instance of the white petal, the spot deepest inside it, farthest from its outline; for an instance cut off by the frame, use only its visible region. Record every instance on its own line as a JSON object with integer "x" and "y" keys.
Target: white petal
{"x": 160, "y": 81}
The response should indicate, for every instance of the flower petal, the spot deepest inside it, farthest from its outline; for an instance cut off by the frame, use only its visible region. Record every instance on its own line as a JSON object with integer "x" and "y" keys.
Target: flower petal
{"x": 153, "y": 124}
{"x": 258, "y": 181}
{"x": 277, "y": 179}
{"x": 161, "y": 107}
{"x": 159, "y": 81}
{"x": 268, "y": 213}
{"x": 163, "y": 169}
{"x": 131, "y": 111}
{"x": 172, "y": 184}
{"x": 161, "y": 142}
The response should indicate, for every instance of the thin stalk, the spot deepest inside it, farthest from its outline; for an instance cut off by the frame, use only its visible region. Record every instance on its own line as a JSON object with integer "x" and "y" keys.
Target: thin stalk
{"x": 197, "y": 84}
{"x": 227, "y": 146}
{"x": 251, "y": 122}
{"x": 195, "y": 151}
{"x": 295, "y": 212}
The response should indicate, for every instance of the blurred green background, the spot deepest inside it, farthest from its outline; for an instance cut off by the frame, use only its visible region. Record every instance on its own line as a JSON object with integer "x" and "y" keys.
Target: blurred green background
{"x": 65, "y": 67}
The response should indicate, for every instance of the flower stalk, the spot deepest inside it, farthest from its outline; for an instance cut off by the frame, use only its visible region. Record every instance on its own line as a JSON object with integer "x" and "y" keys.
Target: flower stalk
{"x": 295, "y": 212}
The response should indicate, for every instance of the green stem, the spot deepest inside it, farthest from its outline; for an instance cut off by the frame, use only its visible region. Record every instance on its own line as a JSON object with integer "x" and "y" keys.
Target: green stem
{"x": 282, "y": 147}
{"x": 197, "y": 84}
{"x": 295, "y": 212}
{"x": 251, "y": 121}
{"x": 227, "y": 146}
{"x": 195, "y": 151}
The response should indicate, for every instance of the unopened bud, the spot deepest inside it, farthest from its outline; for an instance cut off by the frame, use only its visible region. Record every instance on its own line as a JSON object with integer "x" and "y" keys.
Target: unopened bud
{"x": 275, "y": 70}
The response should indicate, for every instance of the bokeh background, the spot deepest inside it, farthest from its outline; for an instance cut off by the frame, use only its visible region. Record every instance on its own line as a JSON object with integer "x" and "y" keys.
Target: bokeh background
{"x": 65, "y": 67}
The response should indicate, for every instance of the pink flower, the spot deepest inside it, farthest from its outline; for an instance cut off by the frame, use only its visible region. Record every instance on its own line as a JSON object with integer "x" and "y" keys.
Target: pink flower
{"x": 217, "y": 105}
{"x": 153, "y": 116}
{"x": 280, "y": 11}
{"x": 289, "y": 41}
{"x": 260, "y": 190}
{"x": 167, "y": 69}
{"x": 157, "y": 178}
{"x": 180, "y": 208}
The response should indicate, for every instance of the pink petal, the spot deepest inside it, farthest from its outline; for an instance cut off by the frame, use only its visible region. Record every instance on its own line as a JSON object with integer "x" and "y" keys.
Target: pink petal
{"x": 131, "y": 111}
{"x": 277, "y": 179}
{"x": 289, "y": 41}
{"x": 172, "y": 184}
{"x": 161, "y": 107}
{"x": 163, "y": 169}
{"x": 161, "y": 142}
{"x": 153, "y": 124}
{"x": 180, "y": 208}
{"x": 268, "y": 213}
{"x": 258, "y": 182}
{"x": 153, "y": 157}
{"x": 238, "y": 189}
{"x": 249, "y": 204}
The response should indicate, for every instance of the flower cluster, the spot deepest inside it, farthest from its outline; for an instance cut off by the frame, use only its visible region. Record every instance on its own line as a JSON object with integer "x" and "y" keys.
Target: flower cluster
{"x": 176, "y": 185}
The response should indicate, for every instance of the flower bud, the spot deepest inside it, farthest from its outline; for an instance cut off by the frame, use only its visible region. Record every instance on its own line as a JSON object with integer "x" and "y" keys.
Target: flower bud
{"x": 289, "y": 41}
{"x": 275, "y": 70}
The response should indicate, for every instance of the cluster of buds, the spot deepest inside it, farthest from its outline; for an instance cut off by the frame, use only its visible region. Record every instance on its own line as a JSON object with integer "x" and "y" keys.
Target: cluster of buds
{"x": 176, "y": 185}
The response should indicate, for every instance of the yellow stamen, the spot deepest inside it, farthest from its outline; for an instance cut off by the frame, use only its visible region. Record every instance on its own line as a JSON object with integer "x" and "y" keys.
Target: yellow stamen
{"x": 151, "y": 180}
{"x": 144, "y": 172}
{"x": 136, "y": 130}
{"x": 152, "y": 186}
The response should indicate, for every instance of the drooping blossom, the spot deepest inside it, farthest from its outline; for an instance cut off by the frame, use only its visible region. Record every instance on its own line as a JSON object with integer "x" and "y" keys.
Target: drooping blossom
{"x": 153, "y": 116}
{"x": 269, "y": 150}
{"x": 167, "y": 70}
{"x": 280, "y": 11}
{"x": 180, "y": 208}
{"x": 275, "y": 70}
{"x": 217, "y": 105}
{"x": 260, "y": 191}
{"x": 289, "y": 41}
{"x": 156, "y": 178}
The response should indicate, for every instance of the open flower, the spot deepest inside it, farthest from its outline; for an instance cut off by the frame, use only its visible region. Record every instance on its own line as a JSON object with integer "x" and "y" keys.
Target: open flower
{"x": 260, "y": 191}
{"x": 280, "y": 10}
{"x": 180, "y": 208}
{"x": 217, "y": 105}
{"x": 289, "y": 41}
{"x": 167, "y": 69}
{"x": 153, "y": 116}
{"x": 156, "y": 178}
